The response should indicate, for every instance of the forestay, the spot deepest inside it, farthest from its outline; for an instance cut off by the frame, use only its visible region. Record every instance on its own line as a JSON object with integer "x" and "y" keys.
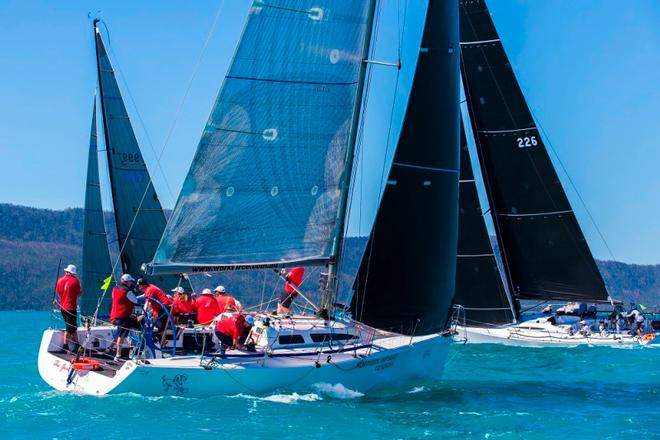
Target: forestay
{"x": 544, "y": 251}
{"x": 96, "y": 265}
{"x": 265, "y": 184}
{"x": 139, "y": 217}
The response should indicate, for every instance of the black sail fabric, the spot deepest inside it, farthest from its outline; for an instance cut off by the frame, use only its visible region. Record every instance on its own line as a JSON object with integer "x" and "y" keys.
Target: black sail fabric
{"x": 139, "y": 216}
{"x": 479, "y": 287}
{"x": 543, "y": 248}
{"x": 96, "y": 264}
{"x": 406, "y": 278}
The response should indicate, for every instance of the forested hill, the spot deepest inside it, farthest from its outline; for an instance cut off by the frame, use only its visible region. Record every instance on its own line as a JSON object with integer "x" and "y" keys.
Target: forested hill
{"x": 33, "y": 240}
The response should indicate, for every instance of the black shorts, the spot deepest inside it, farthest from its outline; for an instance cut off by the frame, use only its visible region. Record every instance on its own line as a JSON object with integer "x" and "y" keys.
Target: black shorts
{"x": 70, "y": 320}
{"x": 286, "y": 299}
{"x": 225, "y": 341}
{"x": 124, "y": 325}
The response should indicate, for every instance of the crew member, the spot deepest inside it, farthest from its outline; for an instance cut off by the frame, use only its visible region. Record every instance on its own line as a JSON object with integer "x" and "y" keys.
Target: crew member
{"x": 636, "y": 319}
{"x": 122, "y": 312}
{"x": 157, "y": 312}
{"x": 226, "y": 303}
{"x": 182, "y": 304}
{"x": 68, "y": 289}
{"x": 206, "y": 307}
{"x": 231, "y": 331}
{"x": 293, "y": 278}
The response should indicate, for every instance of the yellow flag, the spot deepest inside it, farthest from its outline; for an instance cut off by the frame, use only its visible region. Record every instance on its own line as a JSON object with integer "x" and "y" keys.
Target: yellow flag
{"x": 106, "y": 283}
{"x": 642, "y": 307}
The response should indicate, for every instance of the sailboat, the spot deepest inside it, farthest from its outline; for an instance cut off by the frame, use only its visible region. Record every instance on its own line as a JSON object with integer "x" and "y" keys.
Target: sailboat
{"x": 246, "y": 204}
{"x": 544, "y": 253}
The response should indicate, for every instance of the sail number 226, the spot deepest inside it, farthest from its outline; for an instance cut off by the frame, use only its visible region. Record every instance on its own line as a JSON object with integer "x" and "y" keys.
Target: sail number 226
{"x": 525, "y": 142}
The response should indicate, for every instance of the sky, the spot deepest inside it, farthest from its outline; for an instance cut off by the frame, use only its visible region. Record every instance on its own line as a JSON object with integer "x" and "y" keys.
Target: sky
{"x": 589, "y": 69}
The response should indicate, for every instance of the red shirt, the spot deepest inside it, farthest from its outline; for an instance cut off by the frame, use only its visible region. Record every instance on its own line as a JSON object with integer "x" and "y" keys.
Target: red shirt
{"x": 122, "y": 307}
{"x": 232, "y": 326}
{"x": 294, "y": 276}
{"x": 226, "y": 303}
{"x": 68, "y": 288}
{"x": 182, "y": 306}
{"x": 156, "y": 293}
{"x": 207, "y": 308}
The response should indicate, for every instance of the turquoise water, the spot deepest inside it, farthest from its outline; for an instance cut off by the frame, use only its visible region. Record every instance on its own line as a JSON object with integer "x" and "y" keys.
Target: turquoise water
{"x": 489, "y": 392}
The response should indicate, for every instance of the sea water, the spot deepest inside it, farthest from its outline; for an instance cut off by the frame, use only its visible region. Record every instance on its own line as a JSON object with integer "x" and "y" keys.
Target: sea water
{"x": 488, "y": 392}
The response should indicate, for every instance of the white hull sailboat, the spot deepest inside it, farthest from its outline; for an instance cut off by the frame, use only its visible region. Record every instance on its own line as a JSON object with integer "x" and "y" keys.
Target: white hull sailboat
{"x": 544, "y": 254}
{"x": 367, "y": 360}
{"x": 269, "y": 189}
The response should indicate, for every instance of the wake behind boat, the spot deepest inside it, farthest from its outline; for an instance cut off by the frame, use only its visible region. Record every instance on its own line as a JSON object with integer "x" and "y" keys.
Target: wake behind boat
{"x": 246, "y": 205}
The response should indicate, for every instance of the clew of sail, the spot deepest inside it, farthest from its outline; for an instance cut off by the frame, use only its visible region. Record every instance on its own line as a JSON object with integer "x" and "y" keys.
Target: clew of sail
{"x": 543, "y": 248}
{"x": 96, "y": 265}
{"x": 265, "y": 184}
{"x": 139, "y": 217}
{"x": 479, "y": 286}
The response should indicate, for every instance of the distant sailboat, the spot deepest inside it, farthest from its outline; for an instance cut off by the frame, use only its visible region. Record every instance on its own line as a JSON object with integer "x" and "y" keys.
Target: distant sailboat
{"x": 246, "y": 204}
{"x": 544, "y": 252}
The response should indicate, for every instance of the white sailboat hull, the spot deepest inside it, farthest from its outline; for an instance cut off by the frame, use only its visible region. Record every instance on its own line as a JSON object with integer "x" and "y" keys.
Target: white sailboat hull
{"x": 522, "y": 335}
{"x": 389, "y": 361}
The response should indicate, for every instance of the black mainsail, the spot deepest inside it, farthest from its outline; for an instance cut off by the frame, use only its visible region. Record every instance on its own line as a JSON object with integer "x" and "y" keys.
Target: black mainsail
{"x": 406, "y": 278}
{"x": 479, "y": 286}
{"x": 96, "y": 266}
{"x": 139, "y": 217}
{"x": 544, "y": 251}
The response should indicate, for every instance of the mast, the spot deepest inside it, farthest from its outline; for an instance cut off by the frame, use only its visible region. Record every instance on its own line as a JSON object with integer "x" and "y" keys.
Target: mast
{"x": 105, "y": 134}
{"x": 329, "y": 292}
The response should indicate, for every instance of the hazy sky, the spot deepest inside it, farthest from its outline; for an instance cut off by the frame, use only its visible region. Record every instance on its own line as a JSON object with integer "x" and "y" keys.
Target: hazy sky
{"x": 589, "y": 69}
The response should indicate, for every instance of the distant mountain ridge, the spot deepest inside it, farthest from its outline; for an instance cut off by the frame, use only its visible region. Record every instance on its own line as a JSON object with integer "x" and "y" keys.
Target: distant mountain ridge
{"x": 32, "y": 241}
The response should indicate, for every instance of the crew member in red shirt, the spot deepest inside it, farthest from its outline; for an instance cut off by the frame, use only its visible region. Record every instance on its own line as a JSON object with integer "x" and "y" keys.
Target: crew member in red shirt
{"x": 293, "y": 278}
{"x": 226, "y": 303}
{"x": 206, "y": 307}
{"x": 123, "y": 306}
{"x": 157, "y": 312}
{"x": 68, "y": 289}
{"x": 231, "y": 331}
{"x": 182, "y": 304}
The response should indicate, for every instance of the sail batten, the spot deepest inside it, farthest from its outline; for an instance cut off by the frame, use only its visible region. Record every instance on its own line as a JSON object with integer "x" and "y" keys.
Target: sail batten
{"x": 96, "y": 263}
{"x": 544, "y": 251}
{"x": 266, "y": 182}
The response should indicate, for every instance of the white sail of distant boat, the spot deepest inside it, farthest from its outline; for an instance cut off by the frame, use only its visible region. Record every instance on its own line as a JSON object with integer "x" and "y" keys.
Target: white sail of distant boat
{"x": 268, "y": 188}
{"x": 544, "y": 253}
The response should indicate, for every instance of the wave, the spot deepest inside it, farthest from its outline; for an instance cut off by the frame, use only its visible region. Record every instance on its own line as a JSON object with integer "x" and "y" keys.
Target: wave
{"x": 338, "y": 391}
{"x": 280, "y": 398}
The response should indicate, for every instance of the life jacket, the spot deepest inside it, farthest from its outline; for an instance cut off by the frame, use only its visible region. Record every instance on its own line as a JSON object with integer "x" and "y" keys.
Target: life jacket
{"x": 157, "y": 293}
{"x": 182, "y": 307}
{"x": 232, "y": 326}
{"x": 122, "y": 307}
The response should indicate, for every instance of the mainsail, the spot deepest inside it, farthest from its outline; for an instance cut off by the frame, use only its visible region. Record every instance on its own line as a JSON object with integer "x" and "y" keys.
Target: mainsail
{"x": 265, "y": 185}
{"x": 544, "y": 251}
{"x": 479, "y": 287}
{"x": 406, "y": 278}
{"x": 96, "y": 266}
{"x": 139, "y": 217}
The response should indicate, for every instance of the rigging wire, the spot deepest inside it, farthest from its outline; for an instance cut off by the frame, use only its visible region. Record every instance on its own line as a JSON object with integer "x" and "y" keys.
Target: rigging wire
{"x": 177, "y": 116}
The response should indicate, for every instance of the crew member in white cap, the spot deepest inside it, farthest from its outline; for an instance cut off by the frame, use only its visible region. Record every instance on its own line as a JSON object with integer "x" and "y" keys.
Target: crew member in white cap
{"x": 68, "y": 289}
{"x": 206, "y": 307}
{"x": 123, "y": 308}
{"x": 182, "y": 308}
{"x": 226, "y": 303}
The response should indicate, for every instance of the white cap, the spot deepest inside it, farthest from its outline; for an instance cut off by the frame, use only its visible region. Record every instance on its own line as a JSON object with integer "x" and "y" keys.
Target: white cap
{"x": 178, "y": 289}
{"x": 71, "y": 269}
{"x": 126, "y": 277}
{"x": 207, "y": 292}
{"x": 220, "y": 289}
